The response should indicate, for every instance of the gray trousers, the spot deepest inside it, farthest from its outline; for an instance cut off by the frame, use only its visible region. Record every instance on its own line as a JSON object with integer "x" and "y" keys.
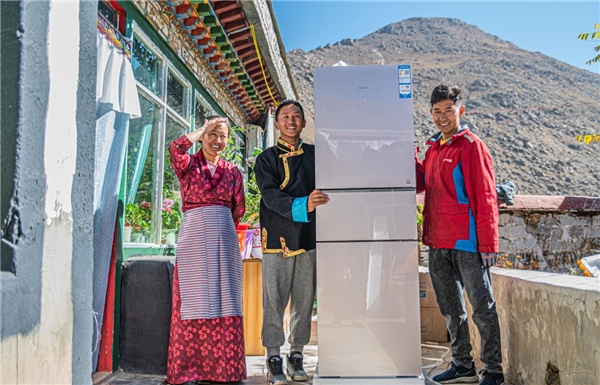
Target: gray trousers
{"x": 288, "y": 279}
{"x": 451, "y": 272}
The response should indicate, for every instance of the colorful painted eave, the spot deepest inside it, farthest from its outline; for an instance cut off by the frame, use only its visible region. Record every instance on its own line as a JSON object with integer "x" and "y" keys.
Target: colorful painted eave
{"x": 268, "y": 38}
{"x": 213, "y": 39}
{"x": 251, "y": 30}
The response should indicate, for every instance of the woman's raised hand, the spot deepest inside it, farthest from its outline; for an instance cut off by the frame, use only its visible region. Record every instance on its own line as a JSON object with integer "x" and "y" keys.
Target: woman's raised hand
{"x": 205, "y": 128}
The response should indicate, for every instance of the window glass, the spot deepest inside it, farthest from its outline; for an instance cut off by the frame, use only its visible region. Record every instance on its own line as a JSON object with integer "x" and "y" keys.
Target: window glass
{"x": 171, "y": 214}
{"x": 109, "y": 13}
{"x": 140, "y": 216}
{"x": 153, "y": 202}
{"x": 147, "y": 67}
{"x": 200, "y": 113}
{"x": 177, "y": 95}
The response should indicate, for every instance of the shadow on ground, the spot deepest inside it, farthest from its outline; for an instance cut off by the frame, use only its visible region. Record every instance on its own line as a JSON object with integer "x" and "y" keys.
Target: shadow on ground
{"x": 435, "y": 358}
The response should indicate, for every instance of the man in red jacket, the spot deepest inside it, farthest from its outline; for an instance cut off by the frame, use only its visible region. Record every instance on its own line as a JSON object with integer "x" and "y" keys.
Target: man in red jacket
{"x": 460, "y": 226}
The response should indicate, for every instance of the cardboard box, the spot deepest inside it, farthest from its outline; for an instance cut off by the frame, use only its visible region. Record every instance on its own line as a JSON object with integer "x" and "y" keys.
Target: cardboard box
{"x": 426, "y": 294}
{"x": 433, "y": 325}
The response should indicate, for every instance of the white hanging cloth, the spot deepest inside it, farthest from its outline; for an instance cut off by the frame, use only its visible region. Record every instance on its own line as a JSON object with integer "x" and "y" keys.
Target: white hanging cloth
{"x": 115, "y": 83}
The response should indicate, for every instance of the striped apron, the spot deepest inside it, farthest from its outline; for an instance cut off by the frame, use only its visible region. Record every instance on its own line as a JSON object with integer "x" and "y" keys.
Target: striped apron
{"x": 209, "y": 265}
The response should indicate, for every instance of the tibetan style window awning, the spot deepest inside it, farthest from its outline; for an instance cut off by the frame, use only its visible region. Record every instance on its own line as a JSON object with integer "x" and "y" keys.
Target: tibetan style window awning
{"x": 223, "y": 35}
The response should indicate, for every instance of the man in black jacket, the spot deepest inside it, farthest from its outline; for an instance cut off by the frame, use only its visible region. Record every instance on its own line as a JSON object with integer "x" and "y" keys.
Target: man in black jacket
{"x": 285, "y": 175}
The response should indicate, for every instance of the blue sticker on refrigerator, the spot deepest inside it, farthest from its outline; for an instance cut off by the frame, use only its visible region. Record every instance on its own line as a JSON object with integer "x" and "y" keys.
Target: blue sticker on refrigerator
{"x": 404, "y": 81}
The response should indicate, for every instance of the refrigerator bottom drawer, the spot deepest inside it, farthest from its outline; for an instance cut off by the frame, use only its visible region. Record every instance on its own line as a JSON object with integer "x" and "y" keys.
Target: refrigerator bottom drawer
{"x": 368, "y": 309}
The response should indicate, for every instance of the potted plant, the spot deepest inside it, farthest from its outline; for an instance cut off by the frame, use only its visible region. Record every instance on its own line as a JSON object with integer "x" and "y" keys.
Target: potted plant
{"x": 253, "y": 209}
{"x": 137, "y": 217}
{"x": 252, "y": 201}
{"x": 171, "y": 219}
{"x": 248, "y": 231}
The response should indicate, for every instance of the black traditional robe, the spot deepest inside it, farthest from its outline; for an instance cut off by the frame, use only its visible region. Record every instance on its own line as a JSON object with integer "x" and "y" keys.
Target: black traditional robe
{"x": 286, "y": 177}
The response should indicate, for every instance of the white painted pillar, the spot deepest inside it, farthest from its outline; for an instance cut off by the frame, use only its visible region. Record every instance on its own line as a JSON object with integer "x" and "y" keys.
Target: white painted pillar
{"x": 46, "y": 328}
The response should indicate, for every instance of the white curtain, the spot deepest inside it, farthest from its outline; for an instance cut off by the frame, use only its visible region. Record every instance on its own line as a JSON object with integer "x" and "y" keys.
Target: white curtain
{"x": 117, "y": 102}
{"x": 115, "y": 83}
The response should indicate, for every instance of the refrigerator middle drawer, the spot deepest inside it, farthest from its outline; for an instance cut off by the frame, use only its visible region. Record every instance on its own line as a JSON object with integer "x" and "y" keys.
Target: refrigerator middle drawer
{"x": 365, "y": 160}
{"x": 366, "y": 216}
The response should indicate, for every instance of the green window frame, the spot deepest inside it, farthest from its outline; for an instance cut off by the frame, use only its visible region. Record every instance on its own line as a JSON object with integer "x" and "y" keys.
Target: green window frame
{"x": 178, "y": 108}
{"x": 153, "y": 203}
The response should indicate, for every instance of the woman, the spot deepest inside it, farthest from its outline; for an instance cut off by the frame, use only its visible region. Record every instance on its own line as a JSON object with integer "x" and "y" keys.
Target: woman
{"x": 207, "y": 336}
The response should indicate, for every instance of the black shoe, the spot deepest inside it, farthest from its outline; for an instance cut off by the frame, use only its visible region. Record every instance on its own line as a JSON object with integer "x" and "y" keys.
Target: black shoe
{"x": 488, "y": 378}
{"x": 294, "y": 367}
{"x": 275, "y": 374}
{"x": 457, "y": 374}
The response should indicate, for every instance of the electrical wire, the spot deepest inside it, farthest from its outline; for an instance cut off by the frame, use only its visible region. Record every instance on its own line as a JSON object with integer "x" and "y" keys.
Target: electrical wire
{"x": 261, "y": 63}
{"x": 438, "y": 361}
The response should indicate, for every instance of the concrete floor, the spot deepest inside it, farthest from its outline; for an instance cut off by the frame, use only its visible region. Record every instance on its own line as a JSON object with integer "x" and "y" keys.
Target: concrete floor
{"x": 432, "y": 355}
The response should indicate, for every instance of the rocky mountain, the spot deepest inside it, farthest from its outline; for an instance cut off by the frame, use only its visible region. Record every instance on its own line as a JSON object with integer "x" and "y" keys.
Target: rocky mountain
{"x": 527, "y": 107}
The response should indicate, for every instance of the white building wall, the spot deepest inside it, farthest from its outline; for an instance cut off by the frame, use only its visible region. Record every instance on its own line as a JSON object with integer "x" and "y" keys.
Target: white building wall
{"x": 47, "y": 319}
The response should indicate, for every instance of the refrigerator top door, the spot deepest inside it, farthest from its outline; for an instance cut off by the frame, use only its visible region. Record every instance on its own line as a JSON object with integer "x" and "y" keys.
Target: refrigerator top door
{"x": 364, "y": 127}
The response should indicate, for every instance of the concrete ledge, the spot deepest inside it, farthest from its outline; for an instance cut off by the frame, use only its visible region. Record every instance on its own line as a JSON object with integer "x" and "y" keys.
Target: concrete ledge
{"x": 553, "y": 203}
{"x": 547, "y": 319}
{"x": 546, "y": 203}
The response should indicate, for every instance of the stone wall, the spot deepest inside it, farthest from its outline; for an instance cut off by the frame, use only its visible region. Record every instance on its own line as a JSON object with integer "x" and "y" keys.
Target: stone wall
{"x": 549, "y": 233}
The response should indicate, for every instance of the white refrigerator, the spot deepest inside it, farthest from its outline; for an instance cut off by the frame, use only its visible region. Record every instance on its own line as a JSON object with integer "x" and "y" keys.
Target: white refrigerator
{"x": 367, "y": 268}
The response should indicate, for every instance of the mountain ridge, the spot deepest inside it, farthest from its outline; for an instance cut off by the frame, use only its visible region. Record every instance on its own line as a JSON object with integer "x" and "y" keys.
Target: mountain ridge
{"x": 526, "y": 106}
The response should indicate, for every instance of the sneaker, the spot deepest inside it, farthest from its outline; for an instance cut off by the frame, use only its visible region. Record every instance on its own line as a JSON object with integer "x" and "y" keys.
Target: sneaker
{"x": 294, "y": 367}
{"x": 275, "y": 374}
{"x": 488, "y": 378}
{"x": 457, "y": 374}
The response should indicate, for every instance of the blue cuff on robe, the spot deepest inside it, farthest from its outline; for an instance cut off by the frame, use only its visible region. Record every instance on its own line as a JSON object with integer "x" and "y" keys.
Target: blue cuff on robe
{"x": 300, "y": 210}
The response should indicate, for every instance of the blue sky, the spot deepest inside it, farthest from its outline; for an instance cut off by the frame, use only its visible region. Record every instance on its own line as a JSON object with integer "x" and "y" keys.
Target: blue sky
{"x": 549, "y": 27}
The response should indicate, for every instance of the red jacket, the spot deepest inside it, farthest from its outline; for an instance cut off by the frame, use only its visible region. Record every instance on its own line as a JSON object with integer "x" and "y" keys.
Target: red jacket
{"x": 461, "y": 210}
